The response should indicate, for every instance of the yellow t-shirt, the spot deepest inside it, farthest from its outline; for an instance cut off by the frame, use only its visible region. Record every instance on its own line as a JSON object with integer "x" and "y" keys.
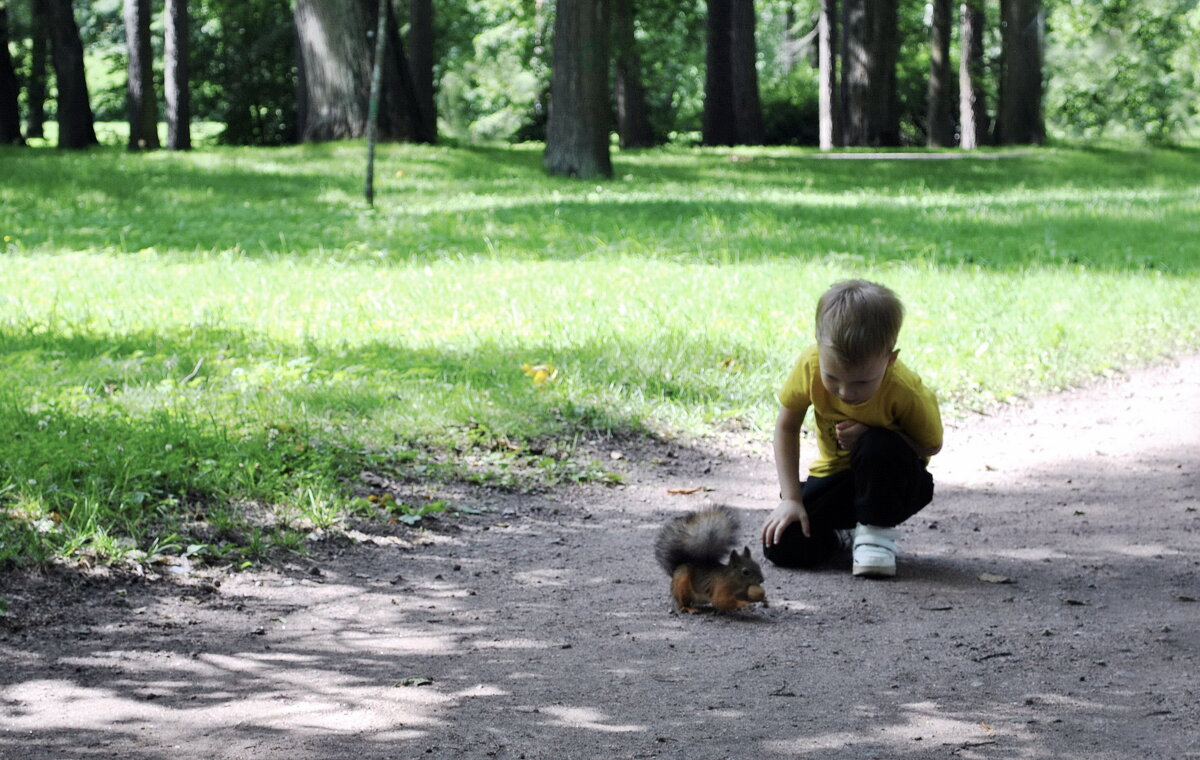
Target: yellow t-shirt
{"x": 902, "y": 403}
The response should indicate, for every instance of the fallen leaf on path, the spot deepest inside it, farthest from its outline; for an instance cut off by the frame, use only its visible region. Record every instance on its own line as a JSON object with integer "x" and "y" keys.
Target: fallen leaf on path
{"x": 992, "y": 578}
{"x": 1076, "y": 602}
{"x": 685, "y": 491}
{"x": 1185, "y": 598}
{"x": 416, "y": 681}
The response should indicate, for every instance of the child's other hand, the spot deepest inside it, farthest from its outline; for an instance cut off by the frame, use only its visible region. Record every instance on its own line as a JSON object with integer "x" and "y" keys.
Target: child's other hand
{"x": 785, "y": 514}
{"x": 848, "y": 433}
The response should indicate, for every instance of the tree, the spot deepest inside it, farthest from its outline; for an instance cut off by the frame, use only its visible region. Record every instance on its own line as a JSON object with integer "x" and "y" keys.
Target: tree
{"x": 76, "y": 124}
{"x": 335, "y": 42}
{"x": 732, "y": 107}
{"x": 940, "y": 111}
{"x": 143, "y": 105}
{"x": 857, "y": 65}
{"x": 176, "y": 85}
{"x": 885, "y": 102}
{"x": 39, "y": 54}
{"x": 974, "y": 126}
{"x": 10, "y": 115}
{"x": 1019, "y": 120}
{"x": 578, "y": 126}
{"x": 829, "y": 104}
{"x": 420, "y": 53}
{"x": 743, "y": 64}
{"x": 717, "y": 125}
{"x": 633, "y": 114}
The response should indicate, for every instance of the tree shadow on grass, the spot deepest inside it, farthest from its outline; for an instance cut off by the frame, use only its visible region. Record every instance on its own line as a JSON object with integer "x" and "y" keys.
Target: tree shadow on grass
{"x": 1074, "y": 208}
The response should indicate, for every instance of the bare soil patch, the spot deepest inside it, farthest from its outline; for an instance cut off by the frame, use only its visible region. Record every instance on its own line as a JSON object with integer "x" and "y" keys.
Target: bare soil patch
{"x": 1045, "y": 607}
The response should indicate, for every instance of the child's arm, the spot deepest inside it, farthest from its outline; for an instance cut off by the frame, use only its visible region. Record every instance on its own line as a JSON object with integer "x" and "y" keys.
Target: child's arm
{"x": 787, "y": 465}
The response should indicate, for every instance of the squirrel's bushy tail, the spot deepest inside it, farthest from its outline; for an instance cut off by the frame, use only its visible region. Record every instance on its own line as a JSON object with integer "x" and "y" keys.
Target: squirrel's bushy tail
{"x": 704, "y": 536}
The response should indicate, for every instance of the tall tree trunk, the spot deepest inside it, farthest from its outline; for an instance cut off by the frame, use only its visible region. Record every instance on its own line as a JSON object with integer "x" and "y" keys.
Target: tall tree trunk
{"x": 76, "y": 123}
{"x": 176, "y": 85}
{"x": 972, "y": 101}
{"x": 335, "y": 46}
{"x": 829, "y": 118}
{"x": 39, "y": 54}
{"x": 579, "y": 120}
{"x": 420, "y": 55}
{"x": 10, "y": 113}
{"x": 743, "y": 57}
{"x": 940, "y": 101}
{"x": 857, "y": 67}
{"x": 717, "y": 125}
{"x": 633, "y": 119}
{"x": 143, "y": 105}
{"x": 1020, "y": 120}
{"x": 885, "y": 96}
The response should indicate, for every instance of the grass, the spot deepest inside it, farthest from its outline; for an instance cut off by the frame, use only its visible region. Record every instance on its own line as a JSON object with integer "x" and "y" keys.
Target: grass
{"x": 201, "y": 352}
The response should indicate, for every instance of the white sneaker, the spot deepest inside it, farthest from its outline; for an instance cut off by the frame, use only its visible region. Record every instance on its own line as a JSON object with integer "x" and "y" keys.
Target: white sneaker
{"x": 875, "y": 551}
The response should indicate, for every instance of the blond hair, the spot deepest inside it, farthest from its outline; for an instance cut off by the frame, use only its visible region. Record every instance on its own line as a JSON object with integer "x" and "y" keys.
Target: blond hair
{"x": 858, "y": 321}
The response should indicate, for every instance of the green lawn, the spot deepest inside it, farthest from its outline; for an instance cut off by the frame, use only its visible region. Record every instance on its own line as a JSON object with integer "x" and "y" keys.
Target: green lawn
{"x": 200, "y": 352}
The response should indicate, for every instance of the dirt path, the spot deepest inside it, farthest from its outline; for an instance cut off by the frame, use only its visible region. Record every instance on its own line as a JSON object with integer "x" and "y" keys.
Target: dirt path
{"x": 540, "y": 629}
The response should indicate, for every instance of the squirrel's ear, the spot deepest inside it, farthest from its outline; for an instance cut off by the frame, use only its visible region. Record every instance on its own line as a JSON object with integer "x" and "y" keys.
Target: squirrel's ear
{"x": 746, "y": 553}
{"x": 733, "y": 556}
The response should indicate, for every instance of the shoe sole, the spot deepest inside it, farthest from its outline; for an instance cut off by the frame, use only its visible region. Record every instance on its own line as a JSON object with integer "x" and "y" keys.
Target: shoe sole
{"x": 873, "y": 571}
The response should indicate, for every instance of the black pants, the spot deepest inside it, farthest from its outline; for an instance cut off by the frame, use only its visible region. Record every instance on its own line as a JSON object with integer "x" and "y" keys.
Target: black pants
{"x": 886, "y": 484}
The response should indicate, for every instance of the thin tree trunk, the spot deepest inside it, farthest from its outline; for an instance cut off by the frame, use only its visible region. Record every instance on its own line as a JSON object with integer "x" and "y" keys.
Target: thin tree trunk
{"x": 176, "y": 83}
{"x": 76, "y": 123}
{"x": 143, "y": 105}
{"x": 420, "y": 56}
{"x": 829, "y": 119}
{"x": 39, "y": 56}
{"x": 578, "y": 126}
{"x": 381, "y": 36}
{"x": 10, "y": 114}
{"x": 1019, "y": 119}
{"x": 717, "y": 124}
{"x": 856, "y": 73}
{"x": 743, "y": 55}
{"x": 972, "y": 101}
{"x": 633, "y": 118}
{"x": 940, "y": 104}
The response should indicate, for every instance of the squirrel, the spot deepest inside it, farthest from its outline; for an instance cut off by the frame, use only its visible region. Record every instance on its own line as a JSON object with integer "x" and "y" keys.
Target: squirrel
{"x": 690, "y": 548}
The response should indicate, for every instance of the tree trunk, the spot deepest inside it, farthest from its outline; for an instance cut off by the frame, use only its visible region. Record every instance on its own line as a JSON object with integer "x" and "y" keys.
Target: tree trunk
{"x": 633, "y": 118}
{"x": 143, "y": 105}
{"x": 39, "y": 54}
{"x": 335, "y": 46}
{"x": 420, "y": 54}
{"x": 10, "y": 113}
{"x": 578, "y": 125}
{"x": 743, "y": 55}
{"x": 829, "y": 119}
{"x": 885, "y": 99}
{"x": 1020, "y": 121}
{"x": 857, "y": 67}
{"x": 76, "y": 123}
{"x": 940, "y": 103}
{"x": 717, "y": 125}
{"x": 177, "y": 88}
{"x": 972, "y": 101}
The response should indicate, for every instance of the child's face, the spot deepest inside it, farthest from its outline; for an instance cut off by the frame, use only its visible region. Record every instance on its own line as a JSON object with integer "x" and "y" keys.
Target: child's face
{"x": 857, "y": 383}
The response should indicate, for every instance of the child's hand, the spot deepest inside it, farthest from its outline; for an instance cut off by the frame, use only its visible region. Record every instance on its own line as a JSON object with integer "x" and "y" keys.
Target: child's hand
{"x": 848, "y": 433}
{"x": 785, "y": 514}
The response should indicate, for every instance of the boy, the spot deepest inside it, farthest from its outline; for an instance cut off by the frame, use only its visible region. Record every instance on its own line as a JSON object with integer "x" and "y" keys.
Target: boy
{"x": 877, "y": 425}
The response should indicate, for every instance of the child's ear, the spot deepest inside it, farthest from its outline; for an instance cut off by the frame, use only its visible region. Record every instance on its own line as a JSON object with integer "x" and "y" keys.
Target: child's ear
{"x": 895, "y": 354}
